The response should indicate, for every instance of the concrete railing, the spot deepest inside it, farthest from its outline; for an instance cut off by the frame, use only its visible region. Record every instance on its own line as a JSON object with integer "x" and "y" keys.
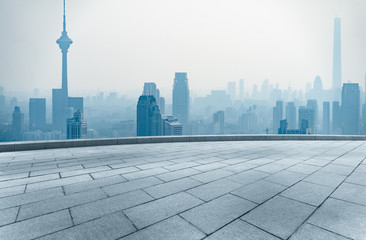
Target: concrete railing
{"x": 39, "y": 145}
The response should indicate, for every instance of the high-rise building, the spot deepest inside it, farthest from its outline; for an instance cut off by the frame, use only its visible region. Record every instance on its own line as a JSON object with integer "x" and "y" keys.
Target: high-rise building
{"x": 171, "y": 126}
{"x": 37, "y": 114}
{"x": 181, "y": 98}
{"x": 350, "y": 109}
{"x": 151, "y": 90}
{"x": 231, "y": 90}
{"x": 148, "y": 117}
{"x": 76, "y": 127}
{"x": 326, "y": 117}
{"x": 77, "y": 103}
{"x": 337, "y": 60}
{"x": 336, "y": 118}
{"x": 17, "y": 124}
{"x": 241, "y": 89}
{"x": 291, "y": 115}
{"x": 277, "y": 115}
{"x": 313, "y": 104}
{"x": 60, "y": 96}
{"x": 248, "y": 122}
{"x": 2, "y": 103}
{"x": 308, "y": 115}
{"x": 162, "y": 105}
{"x": 219, "y": 122}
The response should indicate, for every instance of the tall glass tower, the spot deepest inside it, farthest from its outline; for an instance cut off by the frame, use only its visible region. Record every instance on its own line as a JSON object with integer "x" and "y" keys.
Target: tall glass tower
{"x": 337, "y": 63}
{"x": 181, "y": 99}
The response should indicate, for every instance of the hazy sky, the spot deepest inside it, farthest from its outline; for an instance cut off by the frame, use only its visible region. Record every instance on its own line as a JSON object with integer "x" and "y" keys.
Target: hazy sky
{"x": 119, "y": 44}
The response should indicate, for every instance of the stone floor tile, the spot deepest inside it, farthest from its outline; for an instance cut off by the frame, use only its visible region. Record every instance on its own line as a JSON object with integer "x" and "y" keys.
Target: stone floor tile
{"x": 88, "y": 185}
{"x": 57, "y": 183}
{"x": 155, "y": 211}
{"x": 279, "y": 216}
{"x": 29, "y": 180}
{"x": 36, "y": 227}
{"x": 8, "y": 215}
{"x": 247, "y": 177}
{"x": 13, "y": 176}
{"x": 309, "y": 193}
{"x": 5, "y": 192}
{"x": 144, "y": 173}
{"x": 173, "y": 228}
{"x": 285, "y": 178}
{"x": 84, "y": 171}
{"x": 183, "y": 165}
{"x": 170, "y": 176}
{"x": 271, "y": 168}
{"x": 259, "y": 191}
{"x": 55, "y": 170}
{"x": 25, "y": 198}
{"x": 55, "y": 204}
{"x": 129, "y": 186}
{"x": 240, "y": 167}
{"x": 111, "y": 226}
{"x": 212, "y": 175}
{"x": 317, "y": 162}
{"x": 106, "y": 206}
{"x": 303, "y": 168}
{"x": 210, "y": 166}
{"x": 351, "y": 193}
{"x": 344, "y": 218}
{"x": 114, "y": 172}
{"x": 240, "y": 230}
{"x": 311, "y": 232}
{"x": 213, "y": 215}
{"x": 338, "y": 169}
{"x": 214, "y": 189}
{"x": 325, "y": 179}
{"x": 172, "y": 187}
{"x": 357, "y": 178}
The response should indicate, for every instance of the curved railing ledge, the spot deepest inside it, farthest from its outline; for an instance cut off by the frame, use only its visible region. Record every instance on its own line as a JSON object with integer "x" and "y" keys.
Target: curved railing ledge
{"x": 38, "y": 145}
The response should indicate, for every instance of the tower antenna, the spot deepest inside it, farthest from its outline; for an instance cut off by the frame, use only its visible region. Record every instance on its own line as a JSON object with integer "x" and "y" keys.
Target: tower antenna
{"x": 64, "y": 17}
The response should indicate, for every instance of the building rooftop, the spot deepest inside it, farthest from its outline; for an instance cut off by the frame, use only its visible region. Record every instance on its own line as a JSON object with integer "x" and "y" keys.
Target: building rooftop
{"x": 201, "y": 190}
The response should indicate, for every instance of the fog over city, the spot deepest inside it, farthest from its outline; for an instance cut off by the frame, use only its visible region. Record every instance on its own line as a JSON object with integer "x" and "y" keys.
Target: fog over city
{"x": 111, "y": 68}
{"x": 119, "y": 45}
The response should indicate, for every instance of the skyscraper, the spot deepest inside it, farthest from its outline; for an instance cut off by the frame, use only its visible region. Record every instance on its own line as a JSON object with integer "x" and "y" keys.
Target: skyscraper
{"x": 337, "y": 62}
{"x": 313, "y": 104}
{"x": 181, "y": 99}
{"x": 37, "y": 113}
{"x": 148, "y": 117}
{"x": 291, "y": 115}
{"x": 17, "y": 124}
{"x": 219, "y": 122}
{"x": 60, "y": 96}
{"x": 231, "y": 90}
{"x": 162, "y": 105}
{"x": 277, "y": 115}
{"x": 150, "y": 89}
{"x": 241, "y": 89}
{"x": 326, "y": 117}
{"x": 350, "y": 109}
{"x": 76, "y": 127}
{"x": 306, "y": 117}
{"x": 77, "y": 103}
{"x": 336, "y": 118}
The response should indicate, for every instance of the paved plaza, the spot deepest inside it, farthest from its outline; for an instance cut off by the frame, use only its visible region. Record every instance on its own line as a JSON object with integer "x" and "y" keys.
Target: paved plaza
{"x": 204, "y": 190}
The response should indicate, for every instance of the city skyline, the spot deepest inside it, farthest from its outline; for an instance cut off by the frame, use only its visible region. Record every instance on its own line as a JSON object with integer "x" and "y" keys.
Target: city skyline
{"x": 293, "y": 36}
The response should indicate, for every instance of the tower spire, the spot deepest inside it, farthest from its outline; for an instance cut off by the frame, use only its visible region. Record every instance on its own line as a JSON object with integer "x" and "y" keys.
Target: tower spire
{"x": 64, "y": 17}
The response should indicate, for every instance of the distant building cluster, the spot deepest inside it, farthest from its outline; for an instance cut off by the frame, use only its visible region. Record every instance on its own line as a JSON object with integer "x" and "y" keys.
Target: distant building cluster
{"x": 239, "y": 109}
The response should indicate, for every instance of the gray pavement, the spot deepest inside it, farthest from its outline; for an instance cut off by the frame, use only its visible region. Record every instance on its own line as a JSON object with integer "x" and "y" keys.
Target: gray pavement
{"x": 198, "y": 190}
